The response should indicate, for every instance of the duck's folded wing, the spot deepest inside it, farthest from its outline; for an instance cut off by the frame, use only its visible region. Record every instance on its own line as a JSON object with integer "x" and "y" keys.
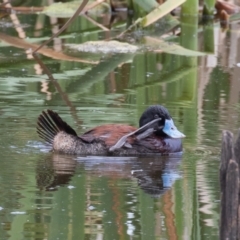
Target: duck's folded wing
{"x": 141, "y": 133}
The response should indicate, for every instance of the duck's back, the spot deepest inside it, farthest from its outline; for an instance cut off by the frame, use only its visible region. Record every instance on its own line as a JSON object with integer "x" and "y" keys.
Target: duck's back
{"x": 109, "y": 134}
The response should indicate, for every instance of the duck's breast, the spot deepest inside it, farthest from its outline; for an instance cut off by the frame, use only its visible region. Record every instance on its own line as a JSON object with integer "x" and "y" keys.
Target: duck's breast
{"x": 155, "y": 144}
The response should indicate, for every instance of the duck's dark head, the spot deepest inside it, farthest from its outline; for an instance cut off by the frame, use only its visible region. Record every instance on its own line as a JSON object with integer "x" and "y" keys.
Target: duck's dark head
{"x": 165, "y": 126}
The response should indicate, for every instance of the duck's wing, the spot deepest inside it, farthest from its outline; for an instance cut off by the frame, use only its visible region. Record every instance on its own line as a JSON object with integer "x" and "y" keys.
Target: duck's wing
{"x": 141, "y": 133}
{"x": 107, "y": 134}
{"x": 50, "y": 124}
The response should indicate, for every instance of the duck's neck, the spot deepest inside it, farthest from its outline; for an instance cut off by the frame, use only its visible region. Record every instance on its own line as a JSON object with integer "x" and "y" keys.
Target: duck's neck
{"x": 160, "y": 133}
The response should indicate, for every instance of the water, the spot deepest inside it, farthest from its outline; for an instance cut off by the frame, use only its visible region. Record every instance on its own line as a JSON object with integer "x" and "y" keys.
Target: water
{"x": 44, "y": 195}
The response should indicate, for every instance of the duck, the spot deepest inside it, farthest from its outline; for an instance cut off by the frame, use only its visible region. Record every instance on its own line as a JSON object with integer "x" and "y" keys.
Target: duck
{"x": 156, "y": 134}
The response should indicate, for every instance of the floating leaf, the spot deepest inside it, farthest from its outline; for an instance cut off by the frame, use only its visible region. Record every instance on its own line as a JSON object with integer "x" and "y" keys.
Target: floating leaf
{"x": 156, "y": 14}
{"x": 159, "y": 12}
{"x": 66, "y": 10}
{"x": 159, "y": 45}
{"x": 167, "y": 22}
{"x": 103, "y": 47}
{"x": 21, "y": 43}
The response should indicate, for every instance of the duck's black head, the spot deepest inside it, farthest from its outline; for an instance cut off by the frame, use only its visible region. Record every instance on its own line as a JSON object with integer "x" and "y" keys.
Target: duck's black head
{"x": 165, "y": 126}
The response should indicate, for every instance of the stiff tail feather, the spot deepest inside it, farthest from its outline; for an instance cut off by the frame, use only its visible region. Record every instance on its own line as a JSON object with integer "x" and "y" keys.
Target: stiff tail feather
{"x": 50, "y": 124}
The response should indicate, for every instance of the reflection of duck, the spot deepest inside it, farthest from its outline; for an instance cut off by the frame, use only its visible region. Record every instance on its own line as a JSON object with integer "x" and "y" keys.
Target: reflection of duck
{"x": 157, "y": 134}
{"x": 155, "y": 175}
{"x": 54, "y": 171}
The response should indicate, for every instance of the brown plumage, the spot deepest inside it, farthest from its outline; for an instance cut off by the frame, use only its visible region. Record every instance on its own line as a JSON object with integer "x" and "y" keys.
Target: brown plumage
{"x": 100, "y": 140}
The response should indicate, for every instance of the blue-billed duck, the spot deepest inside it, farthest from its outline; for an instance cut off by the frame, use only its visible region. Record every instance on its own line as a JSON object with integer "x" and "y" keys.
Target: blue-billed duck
{"x": 156, "y": 134}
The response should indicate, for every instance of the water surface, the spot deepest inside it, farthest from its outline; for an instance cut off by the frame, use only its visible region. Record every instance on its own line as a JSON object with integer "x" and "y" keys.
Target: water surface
{"x": 44, "y": 195}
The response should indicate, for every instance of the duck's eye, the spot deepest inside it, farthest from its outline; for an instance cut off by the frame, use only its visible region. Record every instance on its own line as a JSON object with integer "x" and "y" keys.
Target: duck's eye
{"x": 156, "y": 116}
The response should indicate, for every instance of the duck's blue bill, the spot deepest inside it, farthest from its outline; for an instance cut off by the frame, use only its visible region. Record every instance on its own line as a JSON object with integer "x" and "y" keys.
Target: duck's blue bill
{"x": 170, "y": 129}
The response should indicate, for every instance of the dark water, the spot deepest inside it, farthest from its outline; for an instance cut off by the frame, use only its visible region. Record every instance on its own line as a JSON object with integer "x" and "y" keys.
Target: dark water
{"x": 49, "y": 196}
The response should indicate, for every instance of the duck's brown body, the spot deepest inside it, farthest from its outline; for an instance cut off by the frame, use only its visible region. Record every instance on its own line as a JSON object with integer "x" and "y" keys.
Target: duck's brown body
{"x": 94, "y": 142}
{"x": 98, "y": 140}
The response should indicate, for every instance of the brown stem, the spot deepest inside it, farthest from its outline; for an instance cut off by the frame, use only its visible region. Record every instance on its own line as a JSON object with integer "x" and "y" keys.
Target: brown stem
{"x": 46, "y": 70}
{"x": 81, "y": 7}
